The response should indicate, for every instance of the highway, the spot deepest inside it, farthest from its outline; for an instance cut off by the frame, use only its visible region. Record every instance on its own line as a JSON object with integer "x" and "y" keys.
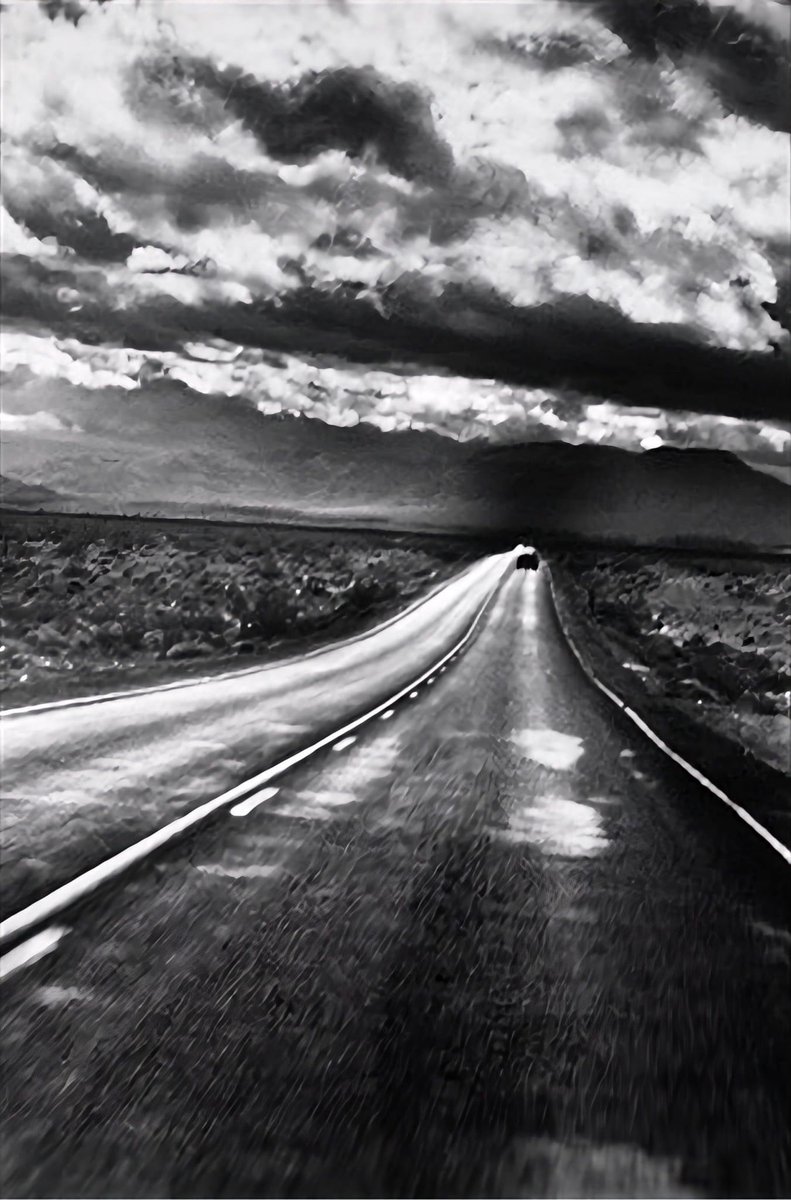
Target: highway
{"x": 81, "y": 782}
{"x": 496, "y": 945}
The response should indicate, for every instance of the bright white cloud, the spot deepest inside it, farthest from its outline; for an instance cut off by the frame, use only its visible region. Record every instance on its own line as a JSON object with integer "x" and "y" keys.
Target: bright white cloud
{"x": 37, "y": 422}
{"x": 489, "y": 105}
{"x": 560, "y": 183}
{"x": 344, "y": 395}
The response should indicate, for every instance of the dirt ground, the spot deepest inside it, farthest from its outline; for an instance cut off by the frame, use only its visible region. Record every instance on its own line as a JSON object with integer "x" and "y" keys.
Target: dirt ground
{"x": 710, "y": 637}
{"x": 108, "y": 602}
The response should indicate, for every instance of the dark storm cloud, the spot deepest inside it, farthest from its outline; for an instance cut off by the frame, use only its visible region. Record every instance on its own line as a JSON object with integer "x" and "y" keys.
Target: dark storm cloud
{"x": 577, "y": 343}
{"x": 747, "y": 65}
{"x": 373, "y": 217}
{"x": 534, "y": 51}
{"x": 354, "y": 109}
{"x": 85, "y": 232}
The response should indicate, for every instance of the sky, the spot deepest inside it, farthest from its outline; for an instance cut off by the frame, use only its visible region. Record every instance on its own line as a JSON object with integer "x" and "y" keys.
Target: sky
{"x": 511, "y": 221}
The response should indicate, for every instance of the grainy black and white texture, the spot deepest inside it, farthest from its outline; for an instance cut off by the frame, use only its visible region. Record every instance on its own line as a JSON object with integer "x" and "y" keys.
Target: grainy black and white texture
{"x": 289, "y": 291}
{"x": 538, "y": 221}
{"x": 500, "y": 946}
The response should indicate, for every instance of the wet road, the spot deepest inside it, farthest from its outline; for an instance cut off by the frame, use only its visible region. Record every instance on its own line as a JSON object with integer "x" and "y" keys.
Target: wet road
{"x": 498, "y": 946}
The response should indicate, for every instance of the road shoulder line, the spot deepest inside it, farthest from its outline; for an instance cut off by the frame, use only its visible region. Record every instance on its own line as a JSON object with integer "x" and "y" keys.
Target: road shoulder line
{"x": 234, "y": 672}
{"x": 756, "y": 826}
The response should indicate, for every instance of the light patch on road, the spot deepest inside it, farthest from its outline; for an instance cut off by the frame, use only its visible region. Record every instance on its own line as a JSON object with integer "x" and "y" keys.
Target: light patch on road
{"x": 542, "y": 1167}
{"x": 558, "y": 751}
{"x": 529, "y": 610}
{"x": 335, "y": 787}
{"x": 30, "y": 951}
{"x": 556, "y": 826}
{"x": 326, "y": 799}
{"x": 578, "y": 913}
{"x": 51, "y": 997}
{"x": 773, "y": 932}
{"x": 241, "y": 871}
{"x": 245, "y": 807}
{"x": 344, "y": 743}
{"x": 626, "y": 754}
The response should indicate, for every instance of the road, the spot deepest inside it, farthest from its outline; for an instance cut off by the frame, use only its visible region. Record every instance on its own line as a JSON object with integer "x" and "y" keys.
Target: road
{"x": 82, "y": 782}
{"x": 497, "y": 946}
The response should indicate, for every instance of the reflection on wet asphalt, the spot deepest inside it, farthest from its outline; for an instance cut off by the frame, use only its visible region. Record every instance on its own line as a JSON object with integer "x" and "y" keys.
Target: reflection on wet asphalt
{"x": 498, "y": 946}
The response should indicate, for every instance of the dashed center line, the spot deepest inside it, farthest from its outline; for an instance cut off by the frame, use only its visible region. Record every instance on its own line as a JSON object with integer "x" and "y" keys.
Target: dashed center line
{"x": 247, "y": 806}
{"x": 31, "y": 950}
{"x": 343, "y": 743}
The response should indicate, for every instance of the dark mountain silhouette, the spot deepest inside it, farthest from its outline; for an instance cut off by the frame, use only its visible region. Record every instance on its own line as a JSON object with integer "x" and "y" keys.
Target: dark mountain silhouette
{"x": 16, "y": 494}
{"x": 168, "y": 450}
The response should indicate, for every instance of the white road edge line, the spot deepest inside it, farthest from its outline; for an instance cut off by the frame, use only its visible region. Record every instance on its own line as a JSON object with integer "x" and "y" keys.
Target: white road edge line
{"x": 756, "y": 826}
{"x": 83, "y": 885}
{"x": 30, "y": 951}
{"x": 238, "y": 673}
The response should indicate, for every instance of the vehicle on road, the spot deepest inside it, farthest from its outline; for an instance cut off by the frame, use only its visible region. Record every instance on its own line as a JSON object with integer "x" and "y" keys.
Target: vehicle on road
{"x": 528, "y": 562}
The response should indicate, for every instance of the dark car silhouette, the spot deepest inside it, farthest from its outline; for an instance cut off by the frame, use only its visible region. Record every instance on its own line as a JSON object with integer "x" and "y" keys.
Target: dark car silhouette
{"x": 527, "y": 562}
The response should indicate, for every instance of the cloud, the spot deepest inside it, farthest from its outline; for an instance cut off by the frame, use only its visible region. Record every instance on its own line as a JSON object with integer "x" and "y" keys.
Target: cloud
{"x": 37, "y": 422}
{"x": 738, "y": 49}
{"x": 557, "y": 195}
{"x": 342, "y": 393}
{"x": 354, "y": 109}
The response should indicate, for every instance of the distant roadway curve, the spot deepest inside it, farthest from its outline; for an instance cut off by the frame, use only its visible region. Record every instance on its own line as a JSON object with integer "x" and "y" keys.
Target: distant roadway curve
{"x": 82, "y": 781}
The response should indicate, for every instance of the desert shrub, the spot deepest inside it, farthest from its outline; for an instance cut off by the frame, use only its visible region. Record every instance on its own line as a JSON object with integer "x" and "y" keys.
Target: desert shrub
{"x": 710, "y": 626}
{"x": 272, "y": 614}
{"x": 97, "y": 594}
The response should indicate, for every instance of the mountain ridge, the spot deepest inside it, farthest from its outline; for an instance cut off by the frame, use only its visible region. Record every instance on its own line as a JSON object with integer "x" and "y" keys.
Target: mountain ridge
{"x": 108, "y": 450}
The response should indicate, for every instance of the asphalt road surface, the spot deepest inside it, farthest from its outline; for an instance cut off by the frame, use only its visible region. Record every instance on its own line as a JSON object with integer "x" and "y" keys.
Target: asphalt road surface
{"x": 82, "y": 782}
{"x": 497, "y": 946}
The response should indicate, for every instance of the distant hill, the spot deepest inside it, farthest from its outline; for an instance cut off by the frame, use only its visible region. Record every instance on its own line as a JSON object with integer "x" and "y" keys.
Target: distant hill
{"x": 16, "y": 494}
{"x": 170, "y": 451}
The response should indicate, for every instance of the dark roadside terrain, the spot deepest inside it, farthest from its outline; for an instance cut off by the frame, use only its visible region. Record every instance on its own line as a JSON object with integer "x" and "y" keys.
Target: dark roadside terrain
{"x": 498, "y": 946}
{"x": 93, "y": 604}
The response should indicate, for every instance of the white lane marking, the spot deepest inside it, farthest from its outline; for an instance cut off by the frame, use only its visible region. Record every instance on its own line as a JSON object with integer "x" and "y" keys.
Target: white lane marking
{"x": 430, "y": 680}
{"x": 30, "y": 951}
{"x": 387, "y": 715}
{"x": 343, "y": 743}
{"x": 756, "y": 826}
{"x": 413, "y": 695}
{"x": 100, "y": 697}
{"x": 83, "y": 885}
{"x": 247, "y": 806}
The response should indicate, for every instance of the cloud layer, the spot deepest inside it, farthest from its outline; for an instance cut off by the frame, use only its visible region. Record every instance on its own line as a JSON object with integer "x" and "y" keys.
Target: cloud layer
{"x": 586, "y": 200}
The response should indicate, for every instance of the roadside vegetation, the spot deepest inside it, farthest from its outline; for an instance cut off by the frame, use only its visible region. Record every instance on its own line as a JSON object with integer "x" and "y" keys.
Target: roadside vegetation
{"x": 103, "y": 601}
{"x": 709, "y": 637}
